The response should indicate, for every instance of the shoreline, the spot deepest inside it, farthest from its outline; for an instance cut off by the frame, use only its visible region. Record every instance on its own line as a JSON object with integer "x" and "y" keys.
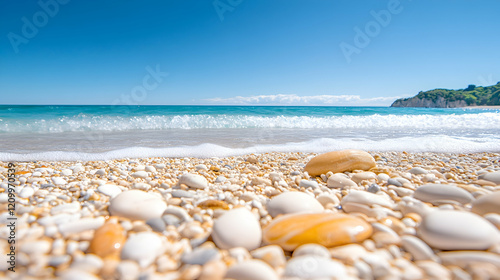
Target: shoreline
{"x": 233, "y": 157}
{"x": 160, "y": 218}
{"x": 483, "y": 107}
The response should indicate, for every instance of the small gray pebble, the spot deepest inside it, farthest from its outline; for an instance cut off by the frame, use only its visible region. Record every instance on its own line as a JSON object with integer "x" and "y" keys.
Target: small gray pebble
{"x": 394, "y": 182}
{"x": 157, "y": 224}
{"x": 200, "y": 256}
{"x": 374, "y": 188}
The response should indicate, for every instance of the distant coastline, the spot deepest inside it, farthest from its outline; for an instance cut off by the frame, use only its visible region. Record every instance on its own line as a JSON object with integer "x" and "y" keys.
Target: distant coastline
{"x": 471, "y": 96}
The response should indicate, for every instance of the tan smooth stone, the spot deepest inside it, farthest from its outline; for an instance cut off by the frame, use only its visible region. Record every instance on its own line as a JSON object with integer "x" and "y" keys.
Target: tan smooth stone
{"x": 349, "y": 254}
{"x": 251, "y": 270}
{"x": 367, "y": 198}
{"x": 434, "y": 270}
{"x": 438, "y": 193}
{"x": 465, "y": 258}
{"x": 213, "y": 204}
{"x": 418, "y": 249}
{"x": 457, "y": 230}
{"x": 340, "y": 181}
{"x": 327, "y": 229}
{"x": 213, "y": 270}
{"x": 492, "y": 177}
{"x": 358, "y": 177}
{"x": 340, "y": 161}
{"x": 488, "y": 203}
{"x": 271, "y": 254}
{"x": 108, "y": 240}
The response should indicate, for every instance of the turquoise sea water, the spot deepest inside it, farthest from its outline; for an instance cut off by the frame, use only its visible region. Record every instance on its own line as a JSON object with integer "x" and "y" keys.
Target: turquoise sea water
{"x": 104, "y": 132}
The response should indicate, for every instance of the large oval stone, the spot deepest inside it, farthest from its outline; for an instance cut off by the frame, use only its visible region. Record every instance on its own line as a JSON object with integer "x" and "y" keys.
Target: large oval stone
{"x": 488, "y": 203}
{"x": 293, "y": 202}
{"x": 457, "y": 230}
{"x": 437, "y": 193}
{"x": 492, "y": 177}
{"x": 137, "y": 205}
{"x": 237, "y": 228}
{"x": 340, "y": 161}
{"x": 327, "y": 229}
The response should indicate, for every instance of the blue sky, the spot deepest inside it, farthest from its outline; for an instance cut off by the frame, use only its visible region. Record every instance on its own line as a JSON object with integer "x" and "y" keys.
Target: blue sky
{"x": 313, "y": 52}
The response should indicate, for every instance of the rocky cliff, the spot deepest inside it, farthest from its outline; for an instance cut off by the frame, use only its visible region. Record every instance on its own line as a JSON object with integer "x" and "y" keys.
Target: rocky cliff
{"x": 452, "y": 98}
{"x": 440, "y": 102}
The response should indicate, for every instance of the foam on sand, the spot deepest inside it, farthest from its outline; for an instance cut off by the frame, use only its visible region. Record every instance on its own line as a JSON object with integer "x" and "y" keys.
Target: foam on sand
{"x": 411, "y": 144}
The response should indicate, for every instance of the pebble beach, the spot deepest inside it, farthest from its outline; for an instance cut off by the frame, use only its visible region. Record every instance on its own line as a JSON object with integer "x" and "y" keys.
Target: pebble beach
{"x": 346, "y": 214}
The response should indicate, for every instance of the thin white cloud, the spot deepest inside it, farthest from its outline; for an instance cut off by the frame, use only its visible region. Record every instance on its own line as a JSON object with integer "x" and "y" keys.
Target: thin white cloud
{"x": 293, "y": 99}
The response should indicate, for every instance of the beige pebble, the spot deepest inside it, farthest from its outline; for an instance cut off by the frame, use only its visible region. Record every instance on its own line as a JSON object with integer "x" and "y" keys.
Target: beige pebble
{"x": 358, "y": 177}
{"x": 128, "y": 270}
{"x": 492, "y": 177}
{"x": 340, "y": 181}
{"x": 311, "y": 250}
{"x": 488, "y": 203}
{"x": 143, "y": 247}
{"x": 237, "y": 228}
{"x": 340, "y": 161}
{"x": 418, "y": 249}
{"x": 137, "y": 205}
{"x": 434, "y": 270}
{"x": 271, "y": 254}
{"x": 466, "y": 258}
{"x": 213, "y": 270}
{"x": 438, "y": 193}
{"x": 251, "y": 270}
{"x": 293, "y": 202}
{"x": 457, "y": 230}
{"x": 349, "y": 254}
{"x": 193, "y": 181}
{"x": 315, "y": 267}
{"x": 367, "y": 198}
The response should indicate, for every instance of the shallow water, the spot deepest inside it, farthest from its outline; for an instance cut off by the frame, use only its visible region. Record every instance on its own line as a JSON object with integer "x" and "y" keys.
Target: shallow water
{"x": 104, "y": 132}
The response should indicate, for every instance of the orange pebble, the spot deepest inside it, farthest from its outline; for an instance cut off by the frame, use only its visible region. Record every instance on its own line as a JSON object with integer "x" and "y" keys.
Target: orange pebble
{"x": 108, "y": 240}
{"x": 327, "y": 229}
{"x": 213, "y": 204}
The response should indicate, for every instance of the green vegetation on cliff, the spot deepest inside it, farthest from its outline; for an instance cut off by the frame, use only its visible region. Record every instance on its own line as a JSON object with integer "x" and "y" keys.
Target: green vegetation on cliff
{"x": 472, "y": 95}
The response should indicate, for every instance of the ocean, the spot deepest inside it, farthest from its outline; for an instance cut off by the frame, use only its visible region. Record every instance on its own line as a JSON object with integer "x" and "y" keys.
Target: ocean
{"x": 30, "y": 133}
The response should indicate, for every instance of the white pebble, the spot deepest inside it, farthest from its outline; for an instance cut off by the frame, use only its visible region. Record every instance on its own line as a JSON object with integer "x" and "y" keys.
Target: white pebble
{"x": 109, "y": 190}
{"x": 237, "y": 228}
{"x": 81, "y": 225}
{"x": 143, "y": 247}
{"x": 140, "y": 174}
{"x": 26, "y": 192}
{"x": 58, "y": 181}
{"x": 314, "y": 267}
{"x": 193, "y": 181}
{"x": 293, "y": 202}
{"x": 137, "y": 205}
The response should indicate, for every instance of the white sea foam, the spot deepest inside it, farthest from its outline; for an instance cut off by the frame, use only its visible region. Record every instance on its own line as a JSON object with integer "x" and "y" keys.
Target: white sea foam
{"x": 410, "y": 144}
{"x": 488, "y": 120}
